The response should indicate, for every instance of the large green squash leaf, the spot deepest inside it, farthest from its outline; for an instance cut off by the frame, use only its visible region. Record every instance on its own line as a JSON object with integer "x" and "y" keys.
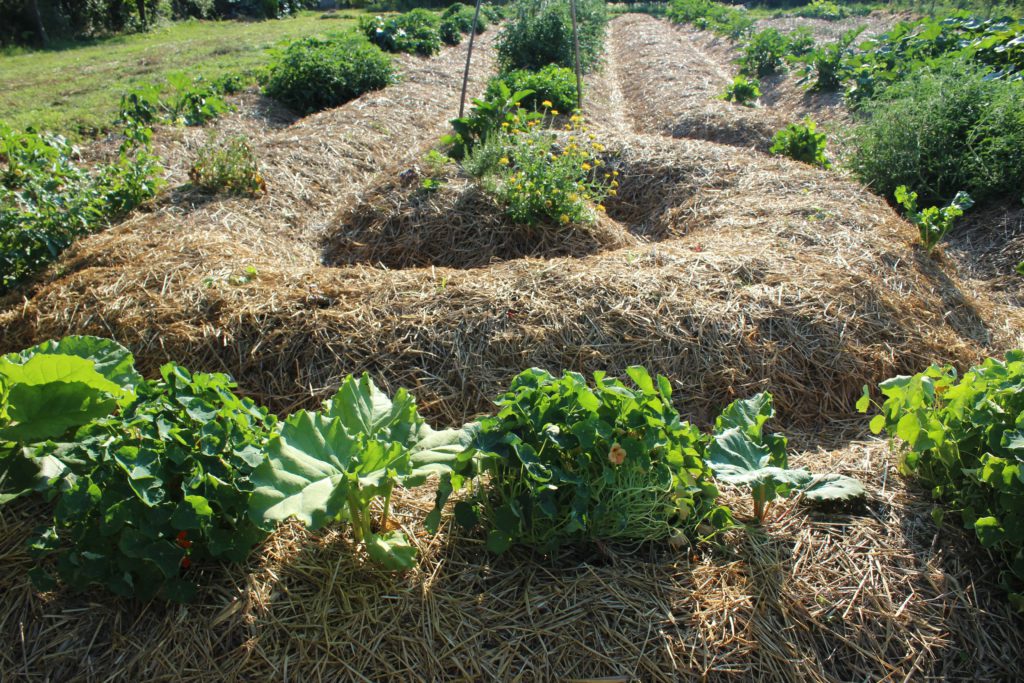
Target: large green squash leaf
{"x": 832, "y": 487}
{"x": 736, "y": 459}
{"x": 55, "y": 386}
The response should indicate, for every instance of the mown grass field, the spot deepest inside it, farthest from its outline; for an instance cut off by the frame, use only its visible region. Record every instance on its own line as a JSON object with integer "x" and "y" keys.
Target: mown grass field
{"x": 75, "y": 89}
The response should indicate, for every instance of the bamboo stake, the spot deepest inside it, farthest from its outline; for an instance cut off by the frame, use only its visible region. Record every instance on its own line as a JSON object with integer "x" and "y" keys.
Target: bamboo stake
{"x": 576, "y": 50}
{"x": 469, "y": 56}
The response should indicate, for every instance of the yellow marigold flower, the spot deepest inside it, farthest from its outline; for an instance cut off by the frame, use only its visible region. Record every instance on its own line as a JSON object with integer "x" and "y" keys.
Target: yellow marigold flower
{"x": 600, "y": 207}
{"x": 504, "y": 124}
{"x": 554, "y": 112}
{"x": 548, "y": 203}
{"x": 586, "y": 166}
{"x": 503, "y": 161}
{"x": 573, "y": 197}
{"x": 612, "y": 192}
{"x": 546, "y": 104}
{"x": 615, "y": 183}
{"x": 615, "y": 173}
{"x": 563, "y": 219}
{"x": 598, "y": 147}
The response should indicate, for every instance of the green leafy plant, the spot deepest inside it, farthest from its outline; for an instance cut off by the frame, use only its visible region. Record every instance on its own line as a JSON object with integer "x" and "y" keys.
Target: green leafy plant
{"x": 743, "y": 90}
{"x": 741, "y": 454}
{"x": 764, "y": 53}
{"x": 799, "y": 41}
{"x": 571, "y": 462}
{"x": 501, "y": 109}
{"x": 825, "y": 67}
{"x": 802, "y": 142}
{"x": 540, "y": 33}
{"x": 822, "y": 9}
{"x": 146, "y": 477}
{"x": 726, "y": 20}
{"x": 227, "y": 166}
{"x": 458, "y": 19}
{"x": 337, "y": 464}
{"x": 932, "y": 223}
{"x": 554, "y": 84}
{"x": 47, "y": 199}
{"x": 193, "y": 101}
{"x": 541, "y": 179}
{"x": 314, "y": 74}
{"x": 415, "y": 32}
{"x": 964, "y": 439}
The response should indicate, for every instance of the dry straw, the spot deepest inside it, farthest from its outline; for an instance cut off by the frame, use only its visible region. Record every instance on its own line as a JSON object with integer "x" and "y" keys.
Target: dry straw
{"x": 726, "y": 270}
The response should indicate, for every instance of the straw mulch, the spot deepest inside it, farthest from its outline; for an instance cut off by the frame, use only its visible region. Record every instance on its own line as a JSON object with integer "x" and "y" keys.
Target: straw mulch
{"x": 875, "y": 594}
{"x": 399, "y": 224}
{"x": 734, "y": 272}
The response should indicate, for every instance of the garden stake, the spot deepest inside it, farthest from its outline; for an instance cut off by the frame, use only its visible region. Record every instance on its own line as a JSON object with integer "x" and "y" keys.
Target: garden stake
{"x": 576, "y": 51}
{"x": 469, "y": 56}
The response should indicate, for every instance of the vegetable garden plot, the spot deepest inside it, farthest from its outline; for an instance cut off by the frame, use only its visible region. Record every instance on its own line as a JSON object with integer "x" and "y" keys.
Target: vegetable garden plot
{"x": 673, "y": 78}
{"x": 741, "y": 272}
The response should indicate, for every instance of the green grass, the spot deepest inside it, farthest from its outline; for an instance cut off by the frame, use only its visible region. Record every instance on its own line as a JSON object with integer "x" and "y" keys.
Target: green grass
{"x": 75, "y": 89}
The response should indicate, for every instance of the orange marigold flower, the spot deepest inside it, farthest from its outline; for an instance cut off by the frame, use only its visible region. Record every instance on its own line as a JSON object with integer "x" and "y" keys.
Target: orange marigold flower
{"x": 617, "y": 454}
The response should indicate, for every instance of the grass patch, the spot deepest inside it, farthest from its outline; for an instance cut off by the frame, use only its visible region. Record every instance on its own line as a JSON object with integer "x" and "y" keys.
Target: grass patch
{"x": 75, "y": 89}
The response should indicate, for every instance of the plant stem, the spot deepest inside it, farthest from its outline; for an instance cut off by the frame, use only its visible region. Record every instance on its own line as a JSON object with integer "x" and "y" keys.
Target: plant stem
{"x": 357, "y": 521}
{"x": 387, "y": 509}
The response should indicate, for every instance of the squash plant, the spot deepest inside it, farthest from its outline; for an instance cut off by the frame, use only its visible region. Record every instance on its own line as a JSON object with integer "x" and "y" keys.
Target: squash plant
{"x": 570, "y": 463}
{"x": 964, "y": 439}
{"x": 340, "y": 463}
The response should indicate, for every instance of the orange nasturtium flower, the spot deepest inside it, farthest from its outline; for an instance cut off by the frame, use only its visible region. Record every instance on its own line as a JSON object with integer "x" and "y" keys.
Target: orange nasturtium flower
{"x": 617, "y": 454}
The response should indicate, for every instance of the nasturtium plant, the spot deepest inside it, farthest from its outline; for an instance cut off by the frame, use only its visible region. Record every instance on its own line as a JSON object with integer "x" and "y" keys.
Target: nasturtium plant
{"x": 741, "y": 454}
{"x": 142, "y": 492}
{"x": 964, "y": 439}
{"x": 933, "y": 223}
{"x": 336, "y": 464}
{"x": 571, "y": 463}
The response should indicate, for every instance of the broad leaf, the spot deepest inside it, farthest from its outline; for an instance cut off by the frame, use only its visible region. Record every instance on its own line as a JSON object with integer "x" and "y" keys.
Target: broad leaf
{"x": 391, "y": 551}
{"x": 832, "y": 488}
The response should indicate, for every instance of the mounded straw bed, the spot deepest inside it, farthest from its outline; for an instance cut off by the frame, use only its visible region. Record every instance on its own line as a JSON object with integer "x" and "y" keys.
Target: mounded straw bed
{"x": 730, "y": 272}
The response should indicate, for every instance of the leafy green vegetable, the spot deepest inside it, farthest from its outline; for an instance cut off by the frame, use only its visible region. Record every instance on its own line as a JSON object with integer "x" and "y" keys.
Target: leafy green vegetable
{"x": 741, "y": 454}
{"x": 332, "y": 465}
{"x": 933, "y": 223}
{"x": 571, "y": 463}
{"x": 965, "y": 440}
{"x": 141, "y": 494}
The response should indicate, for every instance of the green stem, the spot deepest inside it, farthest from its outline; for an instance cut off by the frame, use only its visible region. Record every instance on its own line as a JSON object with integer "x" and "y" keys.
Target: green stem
{"x": 387, "y": 510}
{"x": 357, "y": 521}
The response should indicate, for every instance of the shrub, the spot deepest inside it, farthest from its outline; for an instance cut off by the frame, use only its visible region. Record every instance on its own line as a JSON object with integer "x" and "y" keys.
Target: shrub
{"x": 415, "y": 32}
{"x": 743, "y": 91}
{"x": 314, "y": 74}
{"x": 933, "y": 223}
{"x": 540, "y": 33}
{"x": 462, "y": 16}
{"x": 572, "y": 463}
{"x": 228, "y": 167}
{"x": 554, "y": 84}
{"x": 186, "y": 100}
{"x": 541, "y": 179}
{"x": 964, "y": 441}
{"x": 800, "y": 141}
{"x": 148, "y": 477}
{"x": 763, "y": 53}
{"x": 501, "y": 109}
{"x": 944, "y": 131}
{"x": 47, "y": 200}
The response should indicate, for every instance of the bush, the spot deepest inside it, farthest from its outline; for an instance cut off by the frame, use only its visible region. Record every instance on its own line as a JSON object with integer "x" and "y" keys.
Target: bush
{"x": 462, "y": 16}
{"x": 540, "y": 33}
{"x": 228, "y": 167}
{"x": 186, "y": 100}
{"x": 47, "y": 200}
{"x": 942, "y": 132}
{"x": 964, "y": 441}
{"x": 554, "y": 84}
{"x": 743, "y": 91}
{"x": 415, "y": 32}
{"x": 801, "y": 142}
{"x": 800, "y": 41}
{"x": 763, "y": 53}
{"x": 315, "y": 74}
{"x": 572, "y": 463}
